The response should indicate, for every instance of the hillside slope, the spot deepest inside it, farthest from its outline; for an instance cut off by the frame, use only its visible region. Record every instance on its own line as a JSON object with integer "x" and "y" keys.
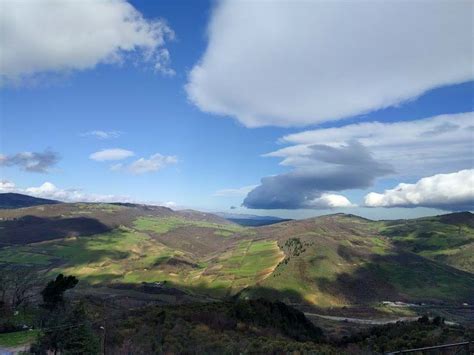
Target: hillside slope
{"x": 47, "y": 222}
{"x": 342, "y": 259}
{"x": 331, "y": 260}
{"x": 447, "y": 238}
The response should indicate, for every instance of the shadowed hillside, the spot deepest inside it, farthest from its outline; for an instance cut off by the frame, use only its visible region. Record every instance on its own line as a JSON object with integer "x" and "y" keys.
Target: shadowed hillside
{"x": 14, "y": 200}
{"x": 447, "y": 238}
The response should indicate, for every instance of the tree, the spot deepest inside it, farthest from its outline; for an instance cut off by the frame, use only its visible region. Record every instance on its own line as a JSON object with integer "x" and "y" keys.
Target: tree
{"x": 66, "y": 328}
{"x": 53, "y": 293}
{"x": 17, "y": 286}
{"x": 68, "y": 331}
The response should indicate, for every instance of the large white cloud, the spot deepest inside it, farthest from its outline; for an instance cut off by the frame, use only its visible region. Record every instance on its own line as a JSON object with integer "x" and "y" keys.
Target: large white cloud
{"x": 421, "y": 147}
{"x": 51, "y": 36}
{"x": 328, "y": 201}
{"x": 451, "y": 192}
{"x": 295, "y": 63}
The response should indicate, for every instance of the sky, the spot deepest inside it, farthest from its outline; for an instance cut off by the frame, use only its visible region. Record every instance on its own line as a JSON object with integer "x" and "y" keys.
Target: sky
{"x": 283, "y": 108}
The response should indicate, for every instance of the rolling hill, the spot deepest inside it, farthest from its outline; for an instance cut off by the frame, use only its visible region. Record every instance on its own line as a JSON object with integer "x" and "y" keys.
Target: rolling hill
{"x": 327, "y": 261}
{"x": 447, "y": 238}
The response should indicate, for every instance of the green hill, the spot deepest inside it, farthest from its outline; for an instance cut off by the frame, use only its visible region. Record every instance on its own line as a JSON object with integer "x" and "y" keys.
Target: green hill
{"x": 327, "y": 261}
{"x": 340, "y": 259}
{"x": 447, "y": 238}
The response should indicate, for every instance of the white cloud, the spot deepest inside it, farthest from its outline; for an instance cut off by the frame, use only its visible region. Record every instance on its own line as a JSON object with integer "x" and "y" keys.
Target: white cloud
{"x": 7, "y": 186}
{"x": 102, "y": 134}
{"x": 170, "y": 204}
{"x": 330, "y": 201}
{"x": 453, "y": 191}
{"x": 154, "y": 163}
{"x": 238, "y": 192}
{"x": 59, "y": 36}
{"x": 415, "y": 148}
{"x": 295, "y": 63}
{"x": 111, "y": 154}
{"x": 50, "y": 191}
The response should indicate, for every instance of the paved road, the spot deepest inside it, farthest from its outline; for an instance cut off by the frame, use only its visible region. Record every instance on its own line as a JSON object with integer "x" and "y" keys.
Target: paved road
{"x": 379, "y": 321}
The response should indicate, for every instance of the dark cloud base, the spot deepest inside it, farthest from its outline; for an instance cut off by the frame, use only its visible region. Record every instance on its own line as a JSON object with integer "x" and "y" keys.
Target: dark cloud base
{"x": 351, "y": 166}
{"x": 31, "y": 161}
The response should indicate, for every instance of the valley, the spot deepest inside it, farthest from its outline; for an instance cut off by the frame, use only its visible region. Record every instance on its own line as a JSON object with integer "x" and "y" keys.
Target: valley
{"x": 346, "y": 274}
{"x": 329, "y": 261}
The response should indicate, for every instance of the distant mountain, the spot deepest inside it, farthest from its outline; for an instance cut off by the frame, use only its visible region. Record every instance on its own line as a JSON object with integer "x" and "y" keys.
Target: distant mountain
{"x": 14, "y": 200}
{"x": 250, "y": 220}
{"x": 203, "y": 216}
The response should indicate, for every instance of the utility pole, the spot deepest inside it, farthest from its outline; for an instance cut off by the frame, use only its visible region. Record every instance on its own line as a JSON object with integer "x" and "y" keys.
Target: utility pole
{"x": 103, "y": 338}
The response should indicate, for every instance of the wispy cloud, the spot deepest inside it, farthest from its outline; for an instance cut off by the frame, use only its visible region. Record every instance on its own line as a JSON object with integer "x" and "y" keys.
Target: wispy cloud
{"x": 414, "y": 147}
{"x": 153, "y": 163}
{"x": 237, "y": 192}
{"x": 111, "y": 154}
{"x": 102, "y": 134}
{"x": 31, "y": 161}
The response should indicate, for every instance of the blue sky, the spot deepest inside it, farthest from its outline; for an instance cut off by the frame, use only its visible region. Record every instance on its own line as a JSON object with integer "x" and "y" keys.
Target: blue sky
{"x": 210, "y": 129}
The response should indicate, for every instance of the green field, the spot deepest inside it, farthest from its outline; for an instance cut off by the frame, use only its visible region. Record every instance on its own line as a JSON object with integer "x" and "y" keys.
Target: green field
{"x": 130, "y": 255}
{"x": 165, "y": 225}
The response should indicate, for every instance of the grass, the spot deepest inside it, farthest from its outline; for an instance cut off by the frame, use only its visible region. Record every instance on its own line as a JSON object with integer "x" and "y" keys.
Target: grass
{"x": 252, "y": 258}
{"x": 426, "y": 281}
{"x": 132, "y": 256}
{"x": 15, "y": 339}
{"x": 299, "y": 275}
{"x": 247, "y": 263}
{"x": 23, "y": 256}
{"x": 98, "y": 258}
{"x": 167, "y": 224}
